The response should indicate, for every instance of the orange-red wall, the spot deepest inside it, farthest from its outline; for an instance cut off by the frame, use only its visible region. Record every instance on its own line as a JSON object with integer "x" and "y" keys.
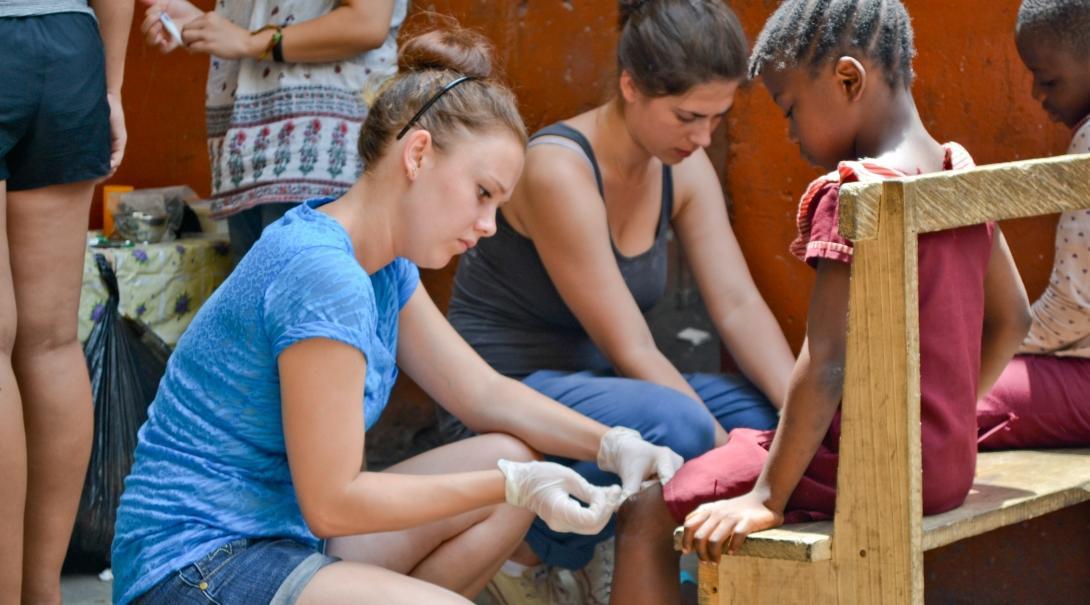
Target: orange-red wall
{"x": 558, "y": 57}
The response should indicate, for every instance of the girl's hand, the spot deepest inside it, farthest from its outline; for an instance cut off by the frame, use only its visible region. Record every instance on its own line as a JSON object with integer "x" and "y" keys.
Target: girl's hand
{"x": 550, "y": 490}
{"x": 623, "y": 451}
{"x": 724, "y": 525}
{"x": 180, "y": 11}
{"x": 216, "y": 35}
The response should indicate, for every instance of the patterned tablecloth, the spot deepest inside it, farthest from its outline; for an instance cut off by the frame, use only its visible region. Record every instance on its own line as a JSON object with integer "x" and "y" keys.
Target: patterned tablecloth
{"x": 162, "y": 285}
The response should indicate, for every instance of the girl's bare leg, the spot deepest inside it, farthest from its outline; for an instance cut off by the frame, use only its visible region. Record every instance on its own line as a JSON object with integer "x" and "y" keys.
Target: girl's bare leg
{"x": 47, "y": 237}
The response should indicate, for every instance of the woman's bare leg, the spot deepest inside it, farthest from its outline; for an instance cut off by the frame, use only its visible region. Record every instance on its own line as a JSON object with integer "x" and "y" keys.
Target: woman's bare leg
{"x": 12, "y": 435}
{"x": 460, "y": 553}
{"x": 646, "y": 564}
{"x": 47, "y": 237}
{"x": 346, "y": 583}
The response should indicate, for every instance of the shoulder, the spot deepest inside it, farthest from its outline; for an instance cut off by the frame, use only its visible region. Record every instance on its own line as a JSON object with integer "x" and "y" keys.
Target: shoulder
{"x": 694, "y": 179}
{"x": 557, "y": 184}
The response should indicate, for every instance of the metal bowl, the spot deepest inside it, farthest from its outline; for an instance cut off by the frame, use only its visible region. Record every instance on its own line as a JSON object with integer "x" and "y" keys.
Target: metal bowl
{"x": 143, "y": 227}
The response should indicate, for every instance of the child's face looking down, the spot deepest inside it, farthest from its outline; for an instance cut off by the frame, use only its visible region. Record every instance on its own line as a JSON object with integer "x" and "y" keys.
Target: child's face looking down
{"x": 822, "y": 108}
{"x": 1061, "y": 78}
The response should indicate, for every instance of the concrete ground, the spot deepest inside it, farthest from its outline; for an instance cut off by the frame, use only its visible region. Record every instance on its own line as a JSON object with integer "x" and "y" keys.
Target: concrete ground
{"x": 85, "y": 590}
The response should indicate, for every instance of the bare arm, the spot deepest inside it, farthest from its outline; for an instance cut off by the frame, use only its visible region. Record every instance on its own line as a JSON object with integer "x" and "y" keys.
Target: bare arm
{"x": 559, "y": 206}
{"x": 736, "y": 307}
{"x": 1006, "y": 314}
{"x": 353, "y": 27}
{"x": 114, "y": 21}
{"x": 448, "y": 369}
{"x": 322, "y": 385}
{"x": 812, "y": 400}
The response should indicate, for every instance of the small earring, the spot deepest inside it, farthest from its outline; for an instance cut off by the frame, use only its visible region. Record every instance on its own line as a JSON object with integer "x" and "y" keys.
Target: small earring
{"x": 413, "y": 173}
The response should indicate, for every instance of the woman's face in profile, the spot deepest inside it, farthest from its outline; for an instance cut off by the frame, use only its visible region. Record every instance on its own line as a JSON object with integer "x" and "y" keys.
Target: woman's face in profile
{"x": 457, "y": 194}
{"x": 673, "y": 127}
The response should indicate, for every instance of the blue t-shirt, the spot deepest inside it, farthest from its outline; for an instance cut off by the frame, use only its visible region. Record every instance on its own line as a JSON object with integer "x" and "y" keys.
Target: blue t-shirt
{"x": 211, "y": 466}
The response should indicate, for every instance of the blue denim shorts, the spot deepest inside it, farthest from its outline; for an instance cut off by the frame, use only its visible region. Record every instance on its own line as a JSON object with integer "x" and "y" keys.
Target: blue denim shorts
{"x": 243, "y": 572}
{"x": 54, "y": 117}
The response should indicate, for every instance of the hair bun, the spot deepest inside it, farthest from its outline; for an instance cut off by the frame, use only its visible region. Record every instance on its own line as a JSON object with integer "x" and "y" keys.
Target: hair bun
{"x": 452, "y": 48}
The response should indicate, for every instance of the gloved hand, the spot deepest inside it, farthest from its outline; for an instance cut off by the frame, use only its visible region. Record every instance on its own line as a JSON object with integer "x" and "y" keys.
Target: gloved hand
{"x": 624, "y": 452}
{"x": 548, "y": 489}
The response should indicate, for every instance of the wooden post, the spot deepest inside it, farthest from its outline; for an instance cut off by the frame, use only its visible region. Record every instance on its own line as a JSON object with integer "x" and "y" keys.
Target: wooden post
{"x": 876, "y": 543}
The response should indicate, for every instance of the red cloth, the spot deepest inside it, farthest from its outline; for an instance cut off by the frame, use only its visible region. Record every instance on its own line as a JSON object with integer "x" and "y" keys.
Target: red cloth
{"x": 1038, "y": 401}
{"x": 952, "y": 266}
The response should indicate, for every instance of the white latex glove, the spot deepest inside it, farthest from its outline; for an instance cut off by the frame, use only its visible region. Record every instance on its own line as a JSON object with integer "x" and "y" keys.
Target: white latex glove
{"x": 624, "y": 452}
{"x": 548, "y": 489}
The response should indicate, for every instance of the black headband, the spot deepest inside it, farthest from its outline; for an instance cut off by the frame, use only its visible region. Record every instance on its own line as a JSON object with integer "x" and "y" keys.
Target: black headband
{"x": 431, "y": 101}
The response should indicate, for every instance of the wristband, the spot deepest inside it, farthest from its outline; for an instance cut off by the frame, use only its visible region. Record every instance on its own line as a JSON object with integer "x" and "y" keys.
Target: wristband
{"x": 277, "y": 48}
{"x": 274, "y": 42}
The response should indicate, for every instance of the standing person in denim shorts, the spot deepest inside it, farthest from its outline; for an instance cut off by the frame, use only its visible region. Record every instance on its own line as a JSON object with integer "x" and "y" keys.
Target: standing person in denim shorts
{"x": 61, "y": 130}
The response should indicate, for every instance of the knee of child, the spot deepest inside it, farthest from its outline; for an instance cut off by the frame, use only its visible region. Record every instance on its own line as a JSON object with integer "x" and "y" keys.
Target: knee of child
{"x": 645, "y": 515}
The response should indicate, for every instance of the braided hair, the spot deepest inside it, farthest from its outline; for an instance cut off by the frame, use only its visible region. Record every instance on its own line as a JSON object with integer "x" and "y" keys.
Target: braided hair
{"x": 1067, "y": 21}
{"x": 812, "y": 32}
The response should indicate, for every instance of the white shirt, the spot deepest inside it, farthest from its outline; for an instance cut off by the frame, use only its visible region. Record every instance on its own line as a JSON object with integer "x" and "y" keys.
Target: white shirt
{"x": 1061, "y": 317}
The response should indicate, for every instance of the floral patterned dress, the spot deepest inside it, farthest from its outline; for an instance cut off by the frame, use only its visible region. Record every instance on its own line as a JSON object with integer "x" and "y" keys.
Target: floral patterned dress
{"x": 286, "y": 132}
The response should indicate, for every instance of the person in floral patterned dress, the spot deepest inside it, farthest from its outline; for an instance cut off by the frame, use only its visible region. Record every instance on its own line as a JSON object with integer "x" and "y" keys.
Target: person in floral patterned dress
{"x": 285, "y": 96}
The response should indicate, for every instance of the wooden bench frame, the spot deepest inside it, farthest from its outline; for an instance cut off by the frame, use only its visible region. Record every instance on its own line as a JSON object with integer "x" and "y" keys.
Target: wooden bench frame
{"x": 872, "y": 552}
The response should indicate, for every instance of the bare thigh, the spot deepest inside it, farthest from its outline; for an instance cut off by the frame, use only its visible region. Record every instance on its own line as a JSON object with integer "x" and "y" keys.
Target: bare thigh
{"x": 47, "y": 234}
{"x": 401, "y": 551}
{"x": 359, "y": 584}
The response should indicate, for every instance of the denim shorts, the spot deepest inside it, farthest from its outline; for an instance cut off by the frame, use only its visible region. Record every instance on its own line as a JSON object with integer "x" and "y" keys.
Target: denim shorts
{"x": 54, "y": 117}
{"x": 243, "y": 572}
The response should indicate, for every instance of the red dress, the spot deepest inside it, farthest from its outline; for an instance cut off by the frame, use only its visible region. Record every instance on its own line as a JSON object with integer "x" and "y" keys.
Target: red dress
{"x": 952, "y": 266}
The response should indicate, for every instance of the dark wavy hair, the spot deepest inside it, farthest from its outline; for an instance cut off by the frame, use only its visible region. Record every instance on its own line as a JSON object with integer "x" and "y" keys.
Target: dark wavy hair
{"x": 669, "y": 46}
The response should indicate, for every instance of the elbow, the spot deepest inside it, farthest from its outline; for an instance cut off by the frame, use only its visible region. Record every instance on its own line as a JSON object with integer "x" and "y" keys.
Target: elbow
{"x": 325, "y": 518}
{"x": 1023, "y": 322}
{"x": 826, "y": 379}
{"x": 320, "y": 523}
{"x": 1012, "y": 327}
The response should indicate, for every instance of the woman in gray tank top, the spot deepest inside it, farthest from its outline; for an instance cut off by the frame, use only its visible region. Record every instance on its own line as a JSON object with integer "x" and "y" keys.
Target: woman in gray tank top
{"x": 557, "y": 296}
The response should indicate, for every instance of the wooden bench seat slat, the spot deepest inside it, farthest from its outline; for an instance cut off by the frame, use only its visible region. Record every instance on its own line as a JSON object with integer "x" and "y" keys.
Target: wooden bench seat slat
{"x": 1010, "y": 487}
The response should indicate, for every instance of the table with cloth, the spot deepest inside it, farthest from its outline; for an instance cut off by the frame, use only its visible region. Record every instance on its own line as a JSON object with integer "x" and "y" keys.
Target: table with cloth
{"x": 162, "y": 285}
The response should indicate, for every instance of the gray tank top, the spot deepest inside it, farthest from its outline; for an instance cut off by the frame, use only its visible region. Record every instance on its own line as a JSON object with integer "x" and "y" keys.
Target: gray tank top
{"x": 32, "y": 8}
{"x": 509, "y": 311}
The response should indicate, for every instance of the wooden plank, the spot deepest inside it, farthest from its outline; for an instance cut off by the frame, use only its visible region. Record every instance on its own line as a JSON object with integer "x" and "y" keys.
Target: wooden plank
{"x": 796, "y": 542}
{"x": 750, "y": 581}
{"x": 945, "y": 200}
{"x": 1011, "y": 487}
{"x": 877, "y": 523}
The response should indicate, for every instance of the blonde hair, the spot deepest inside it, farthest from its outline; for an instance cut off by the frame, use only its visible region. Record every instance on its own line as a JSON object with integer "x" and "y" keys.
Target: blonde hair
{"x": 427, "y": 63}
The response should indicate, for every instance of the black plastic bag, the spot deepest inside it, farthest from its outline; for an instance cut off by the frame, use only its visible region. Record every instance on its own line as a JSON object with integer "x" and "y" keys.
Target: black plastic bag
{"x": 126, "y": 361}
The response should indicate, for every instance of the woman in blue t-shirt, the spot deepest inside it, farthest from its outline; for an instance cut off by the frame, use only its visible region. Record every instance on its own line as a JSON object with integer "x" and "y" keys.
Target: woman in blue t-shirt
{"x": 247, "y": 485}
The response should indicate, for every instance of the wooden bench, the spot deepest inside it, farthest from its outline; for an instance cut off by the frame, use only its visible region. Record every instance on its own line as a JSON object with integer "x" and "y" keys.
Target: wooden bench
{"x": 872, "y": 552}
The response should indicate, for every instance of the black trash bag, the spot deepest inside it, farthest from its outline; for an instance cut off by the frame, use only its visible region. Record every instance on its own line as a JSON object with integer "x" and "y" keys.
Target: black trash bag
{"x": 126, "y": 360}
